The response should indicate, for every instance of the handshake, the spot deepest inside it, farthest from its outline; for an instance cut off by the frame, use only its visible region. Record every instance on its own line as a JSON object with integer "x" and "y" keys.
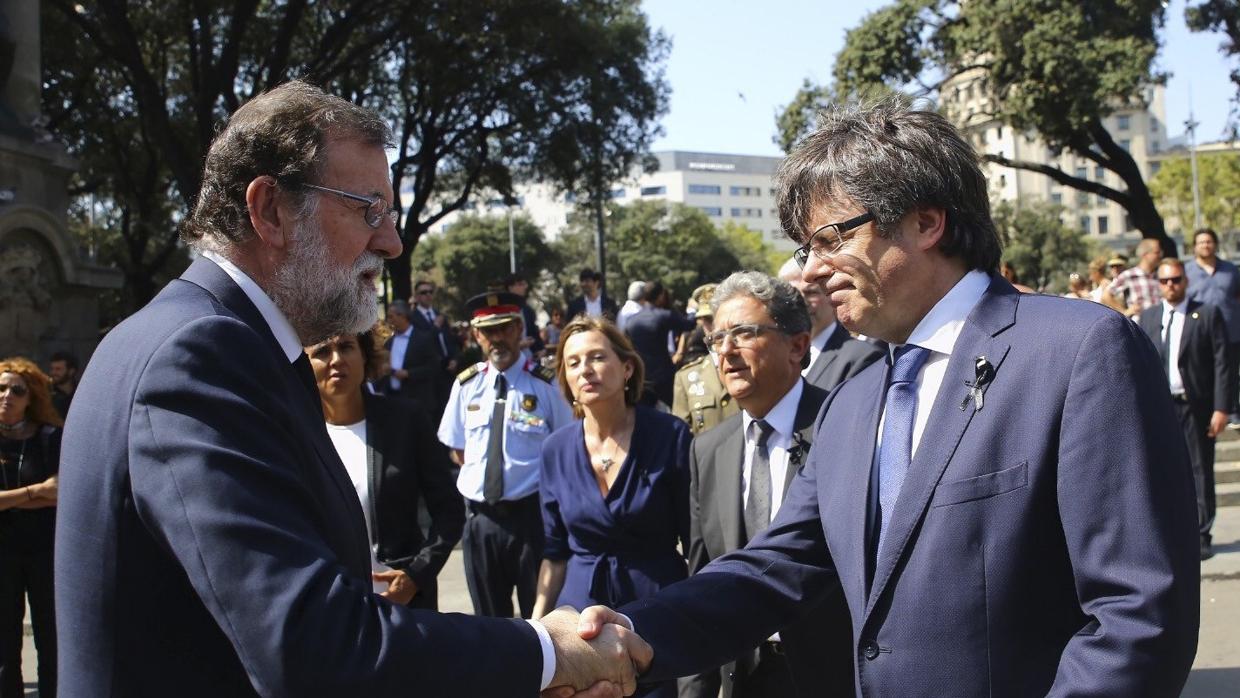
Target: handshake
{"x": 597, "y": 654}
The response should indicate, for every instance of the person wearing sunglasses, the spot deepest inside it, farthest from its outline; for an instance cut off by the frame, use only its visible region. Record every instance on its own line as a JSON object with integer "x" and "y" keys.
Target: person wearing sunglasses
{"x": 1191, "y": 338}
{"x": 1000, "y": 500}
{"x": 29, "y": 459}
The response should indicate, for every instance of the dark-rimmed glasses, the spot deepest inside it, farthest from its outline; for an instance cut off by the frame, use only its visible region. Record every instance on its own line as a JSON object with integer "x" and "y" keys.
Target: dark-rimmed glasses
{"x": 1170, "y": 280}
{"x": 742, "y": 336}
{"x": 825, "y": 242}
{"x": 377, "y": 209}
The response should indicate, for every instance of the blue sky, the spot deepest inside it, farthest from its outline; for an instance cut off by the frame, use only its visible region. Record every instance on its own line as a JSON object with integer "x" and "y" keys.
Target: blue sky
{"x": 735, "y": 64}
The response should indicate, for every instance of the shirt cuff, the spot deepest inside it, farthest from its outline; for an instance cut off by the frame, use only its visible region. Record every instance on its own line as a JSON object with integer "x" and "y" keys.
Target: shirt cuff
{"x": 548, "y": 654}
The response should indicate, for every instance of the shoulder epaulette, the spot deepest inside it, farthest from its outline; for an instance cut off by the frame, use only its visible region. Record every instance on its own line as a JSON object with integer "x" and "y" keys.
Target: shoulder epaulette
{"x": 543, "y": 373}
{"x": 468, "y": 374}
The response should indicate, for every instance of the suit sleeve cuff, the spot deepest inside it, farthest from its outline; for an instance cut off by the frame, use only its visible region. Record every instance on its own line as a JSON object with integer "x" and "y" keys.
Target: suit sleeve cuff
{"x": 548, "y": 654}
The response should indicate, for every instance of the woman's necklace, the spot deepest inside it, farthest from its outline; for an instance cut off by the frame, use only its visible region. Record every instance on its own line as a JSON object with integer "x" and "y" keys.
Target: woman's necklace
{"x": 10, "y": 428}
{"x": 609, "y": 461}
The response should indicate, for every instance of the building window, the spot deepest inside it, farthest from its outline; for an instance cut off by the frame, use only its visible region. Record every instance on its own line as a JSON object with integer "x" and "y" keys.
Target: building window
{"x": 1100, "y": 173}
{"x": 1057, "y": 199}
{"x": 654, "y": 191}
{"x": 704, "y": 189}
{"x": 571, "y": 197}
{"x": 746, "y": 213}
{"x": 1127, "y": 223}
{"x": 1125, "y": 144}
{"x": 617, "y": 193}
{"x": 1085, "y": 224}
{"x": 1082, "y": 199}
{"x": 1123, "y": 121}
{"x": 1082, "y": 173}
{"x": 745, "y": 191}
{"x": 1103, "y": 225}
{"x": 712, "y": 210}
{"x": 1155, "y": 166}
{"x": 774, "y": 191}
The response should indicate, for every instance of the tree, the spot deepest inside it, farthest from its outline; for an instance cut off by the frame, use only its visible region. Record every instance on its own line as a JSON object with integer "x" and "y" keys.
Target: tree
{"x": 548, "y": 90}
{"x": 479, "y": 93}
{"x": 1038, "y": 244}
{"x": 1218, "y": 177}
{"x": 751, "y": 251}
{"x": 1224, "y": 16}
{"x": 135, "y": 90}
{"x": 472, "y": 257}
{"x": 651, "y": 240}
{"x": 1055, "y": 68}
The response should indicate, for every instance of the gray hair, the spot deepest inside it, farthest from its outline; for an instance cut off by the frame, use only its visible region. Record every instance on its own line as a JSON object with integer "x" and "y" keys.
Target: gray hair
{"x": 282, "y": 133}
{"x": 636, "y": 289}
{"x": 784, "y": 304}
{"x": 890, "y": 158}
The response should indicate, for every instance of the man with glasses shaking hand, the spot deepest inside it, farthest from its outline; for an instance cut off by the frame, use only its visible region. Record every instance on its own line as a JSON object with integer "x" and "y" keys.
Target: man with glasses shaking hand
{"x": 999, "y": 501}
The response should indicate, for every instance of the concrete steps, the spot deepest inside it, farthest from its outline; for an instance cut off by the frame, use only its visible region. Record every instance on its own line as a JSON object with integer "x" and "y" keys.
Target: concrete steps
{"x": 1227, "y": 469}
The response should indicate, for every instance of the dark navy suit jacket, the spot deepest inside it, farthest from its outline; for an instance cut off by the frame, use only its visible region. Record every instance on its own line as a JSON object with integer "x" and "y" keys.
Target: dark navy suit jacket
{"x": 1043, "y": 545}
{"x": 209, "y": 541}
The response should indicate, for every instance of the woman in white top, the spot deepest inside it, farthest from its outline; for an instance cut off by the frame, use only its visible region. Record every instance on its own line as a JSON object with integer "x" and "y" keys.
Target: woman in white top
{"x": 389, "y": 449}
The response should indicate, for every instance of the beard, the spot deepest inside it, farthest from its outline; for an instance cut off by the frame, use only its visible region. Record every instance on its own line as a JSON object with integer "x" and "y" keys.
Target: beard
{"x": 319, "y": 298}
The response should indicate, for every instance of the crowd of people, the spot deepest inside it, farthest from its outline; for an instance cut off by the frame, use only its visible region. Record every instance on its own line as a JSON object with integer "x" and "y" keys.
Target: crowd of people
{"x": 879, "y": 468}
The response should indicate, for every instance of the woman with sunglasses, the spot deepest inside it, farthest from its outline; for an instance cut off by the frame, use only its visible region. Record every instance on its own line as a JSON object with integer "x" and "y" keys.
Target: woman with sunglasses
{"x": 614, "y": 484}
{"x": 29, "y": 460}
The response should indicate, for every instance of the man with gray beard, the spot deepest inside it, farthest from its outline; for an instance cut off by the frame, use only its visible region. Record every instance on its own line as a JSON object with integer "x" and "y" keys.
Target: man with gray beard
{"x": 210, "y": 542}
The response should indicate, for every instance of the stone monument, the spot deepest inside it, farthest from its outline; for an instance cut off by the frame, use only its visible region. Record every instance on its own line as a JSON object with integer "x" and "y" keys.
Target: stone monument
{"x": 48, "y": 293}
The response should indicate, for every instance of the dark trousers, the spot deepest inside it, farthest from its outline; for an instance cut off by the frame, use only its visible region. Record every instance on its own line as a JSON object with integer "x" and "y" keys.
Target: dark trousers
{"x": 1195, "y": 424}
{"x": 503, "y": 549}
{"x": 26, "y": 570}
{"x": 772, "y": 677}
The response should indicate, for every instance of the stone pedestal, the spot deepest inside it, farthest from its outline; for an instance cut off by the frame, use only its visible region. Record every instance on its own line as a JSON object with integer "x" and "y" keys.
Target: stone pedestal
{"x": 48, "y": 293}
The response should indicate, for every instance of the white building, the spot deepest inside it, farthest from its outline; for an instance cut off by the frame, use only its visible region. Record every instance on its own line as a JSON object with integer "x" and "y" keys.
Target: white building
{"x": 725, "y": 187}
{"x": 1139, "y": 128}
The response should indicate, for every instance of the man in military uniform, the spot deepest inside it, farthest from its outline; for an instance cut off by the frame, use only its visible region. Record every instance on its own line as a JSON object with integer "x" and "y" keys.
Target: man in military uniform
{"x": 498, "y": 414}
{"x": 697, "y": 395}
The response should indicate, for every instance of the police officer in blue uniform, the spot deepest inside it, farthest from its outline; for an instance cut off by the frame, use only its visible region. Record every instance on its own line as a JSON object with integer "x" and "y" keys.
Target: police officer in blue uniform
{"x": 498, "y": 414}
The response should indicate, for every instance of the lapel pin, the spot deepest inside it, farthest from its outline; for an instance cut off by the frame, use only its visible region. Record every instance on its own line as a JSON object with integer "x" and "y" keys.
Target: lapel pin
{"x": 983, "y": 374}
{"x": 1194, "y": 315}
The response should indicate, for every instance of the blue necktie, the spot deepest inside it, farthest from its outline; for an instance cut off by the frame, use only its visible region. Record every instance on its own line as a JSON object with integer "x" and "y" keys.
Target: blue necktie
{"x": 896, "y": 451}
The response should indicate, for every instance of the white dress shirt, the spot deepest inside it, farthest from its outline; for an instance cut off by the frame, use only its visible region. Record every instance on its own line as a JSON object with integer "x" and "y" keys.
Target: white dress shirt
{"x": 400, "y": 344}
{"x": 816, "y": 345}
{"x": 782, "y": 419}
{"x": 1173, "y": 323}
{"x": 594, "y": 308}
{"x": 350, "y": 443}
{"x": 938, "y": 332}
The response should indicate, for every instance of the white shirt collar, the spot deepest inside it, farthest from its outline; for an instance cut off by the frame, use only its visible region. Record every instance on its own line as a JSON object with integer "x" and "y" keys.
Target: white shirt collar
{"x": 819, "y": 341}
{"x": 940, "y": 328}
{"x": 285, "y": 335}
{"x": 1181, "y": 307}
{"x": 783, "y": 415}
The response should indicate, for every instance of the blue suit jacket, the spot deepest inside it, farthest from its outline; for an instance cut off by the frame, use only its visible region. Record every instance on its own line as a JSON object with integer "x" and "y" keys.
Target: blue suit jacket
{"x": 209, "y": 541}
{"x": 1044, "y": 545}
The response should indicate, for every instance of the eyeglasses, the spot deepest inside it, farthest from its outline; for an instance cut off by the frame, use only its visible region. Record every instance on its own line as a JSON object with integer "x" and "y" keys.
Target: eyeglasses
{"x": 377, "y": 209}
{"x": 742, "y": 336}
{"x": 16, "y": 390}
{"x": 426, "y": 292}
{"x": 826, "y": 241}
{"x": 1170, "y": 280}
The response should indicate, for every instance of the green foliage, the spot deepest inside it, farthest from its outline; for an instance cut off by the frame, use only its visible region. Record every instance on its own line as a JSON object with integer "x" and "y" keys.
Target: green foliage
{"x": 479, "y": 94}
{"x": 1037, "y": 243}
{"x": 1055, "y": 68}
{"x": 667, "y": 242}
{"x": 1218, "y": 176}
{"x": 751, "y": 250}
{"x": 471, "y": 257}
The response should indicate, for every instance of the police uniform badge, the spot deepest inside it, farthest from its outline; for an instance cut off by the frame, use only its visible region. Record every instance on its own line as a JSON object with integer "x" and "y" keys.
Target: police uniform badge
{"x": 529, "y": 403}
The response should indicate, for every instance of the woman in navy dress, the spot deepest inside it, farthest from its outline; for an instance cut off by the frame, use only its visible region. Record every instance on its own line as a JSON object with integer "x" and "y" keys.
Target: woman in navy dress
{"x": 614, "y": 485}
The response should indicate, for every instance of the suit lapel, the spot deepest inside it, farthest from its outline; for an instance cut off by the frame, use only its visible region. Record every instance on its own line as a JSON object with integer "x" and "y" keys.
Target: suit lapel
{"x": 845, "y": 472}
{"x": 1191, "y": 319}
{"x": 209, "y": 276}
{"x": 730, "y": 462}
{"x": 946, "y": 424}
{"x": 803, "y": 425}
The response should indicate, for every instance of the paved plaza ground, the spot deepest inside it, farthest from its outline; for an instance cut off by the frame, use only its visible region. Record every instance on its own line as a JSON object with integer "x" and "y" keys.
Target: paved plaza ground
{"x": 1216, "y": 673}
